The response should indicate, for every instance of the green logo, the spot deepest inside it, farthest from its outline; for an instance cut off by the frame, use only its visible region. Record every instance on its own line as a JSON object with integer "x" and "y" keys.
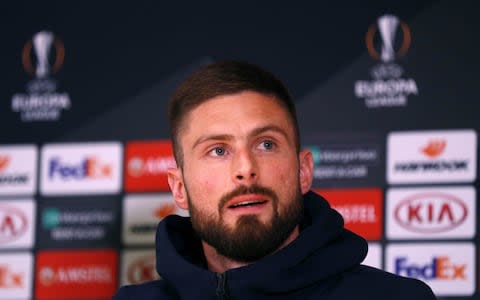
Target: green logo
{"x": 51, "y": 218}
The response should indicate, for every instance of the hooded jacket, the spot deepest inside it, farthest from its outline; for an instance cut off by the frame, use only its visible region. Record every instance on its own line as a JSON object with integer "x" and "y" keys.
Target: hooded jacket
{"x": 322, "y": 263}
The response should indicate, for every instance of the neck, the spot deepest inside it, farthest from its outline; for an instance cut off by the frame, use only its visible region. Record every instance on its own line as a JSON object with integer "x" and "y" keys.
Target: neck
{"x": 220, "y": 264}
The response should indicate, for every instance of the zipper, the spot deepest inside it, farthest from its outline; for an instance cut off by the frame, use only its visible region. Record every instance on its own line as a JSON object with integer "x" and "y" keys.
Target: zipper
{"x": 221, "y": 290}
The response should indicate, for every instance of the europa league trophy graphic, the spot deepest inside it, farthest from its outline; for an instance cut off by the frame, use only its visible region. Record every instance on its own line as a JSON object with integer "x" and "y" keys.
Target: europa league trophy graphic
{"x": 387, "y": 26}
{"x": 42, "y": 42}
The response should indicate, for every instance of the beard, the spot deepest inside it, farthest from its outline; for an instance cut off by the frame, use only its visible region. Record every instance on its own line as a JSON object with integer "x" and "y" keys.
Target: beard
{"x": 249, "y": 239}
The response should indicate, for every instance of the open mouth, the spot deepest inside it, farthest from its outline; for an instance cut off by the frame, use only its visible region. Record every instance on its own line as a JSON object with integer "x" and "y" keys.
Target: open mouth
{"x": 247, "y": 204}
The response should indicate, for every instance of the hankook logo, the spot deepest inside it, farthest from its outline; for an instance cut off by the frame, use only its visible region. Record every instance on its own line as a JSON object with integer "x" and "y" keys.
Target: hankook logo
{"x": 4, "y": 160}
{"x": 434, "y": 148}
{"x": 431, "y": 212}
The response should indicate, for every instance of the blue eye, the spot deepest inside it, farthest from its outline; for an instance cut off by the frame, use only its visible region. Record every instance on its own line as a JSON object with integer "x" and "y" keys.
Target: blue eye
{"x": 218, "y": 151}
{"x": 267, "y": 144}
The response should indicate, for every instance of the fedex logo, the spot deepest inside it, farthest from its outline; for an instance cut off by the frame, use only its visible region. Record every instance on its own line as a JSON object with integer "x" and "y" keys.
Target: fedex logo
{"x": 89, "y": 167}
{"x": 16, "y": 275}
{"x": 9, "y": 278}
{"x": 81, "y": 168}
{"x": 448, "y": 268}
{"x": 440, "y": 267}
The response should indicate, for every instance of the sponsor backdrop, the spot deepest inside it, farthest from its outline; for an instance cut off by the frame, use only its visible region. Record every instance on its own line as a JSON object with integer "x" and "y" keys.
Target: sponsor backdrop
{"x": 387, "y": 95}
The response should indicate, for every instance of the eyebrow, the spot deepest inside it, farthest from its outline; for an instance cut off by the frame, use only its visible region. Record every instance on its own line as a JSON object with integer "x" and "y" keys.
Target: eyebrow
{"x": 227, "y": 137}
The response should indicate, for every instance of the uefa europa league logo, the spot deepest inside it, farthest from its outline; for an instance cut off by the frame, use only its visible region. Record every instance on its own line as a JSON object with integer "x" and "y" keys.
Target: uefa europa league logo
{"x": 42, "y": 42}
{"x": 387, "y": 26}
{"x": 40, "y": 48}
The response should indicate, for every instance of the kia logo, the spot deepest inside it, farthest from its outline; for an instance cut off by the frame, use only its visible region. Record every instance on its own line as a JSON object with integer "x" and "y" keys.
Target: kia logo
{"x": 430, "y": 212}
{"x": 13, "y": 223}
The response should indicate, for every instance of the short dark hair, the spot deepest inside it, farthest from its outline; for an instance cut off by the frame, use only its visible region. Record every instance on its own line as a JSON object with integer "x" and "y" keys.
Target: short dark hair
{"x": 224, "y": 78}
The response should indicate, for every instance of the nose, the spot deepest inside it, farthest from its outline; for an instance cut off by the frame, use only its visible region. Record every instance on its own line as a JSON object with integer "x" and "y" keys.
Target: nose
{"x": 244, "y": 168}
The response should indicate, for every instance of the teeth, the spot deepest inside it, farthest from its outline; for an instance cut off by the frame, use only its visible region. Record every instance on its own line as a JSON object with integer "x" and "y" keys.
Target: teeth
{"x": 246, "y": 203}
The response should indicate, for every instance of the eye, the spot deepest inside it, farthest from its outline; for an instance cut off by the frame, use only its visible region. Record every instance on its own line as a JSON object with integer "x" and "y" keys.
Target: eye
{"x": 218, "y": 151}
{"x": 267, "y": 145}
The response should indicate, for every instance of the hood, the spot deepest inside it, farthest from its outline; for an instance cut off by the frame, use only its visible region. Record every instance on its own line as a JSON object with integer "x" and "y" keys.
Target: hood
{"x": 322, "y": 250}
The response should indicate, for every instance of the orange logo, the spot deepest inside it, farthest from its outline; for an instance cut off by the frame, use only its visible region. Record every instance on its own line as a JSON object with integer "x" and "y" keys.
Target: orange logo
{"x": 9, "y": 279}
{"x": 4, "y": 160}
{"x": 165, "y": 210}
{"x": 434, "y": 148}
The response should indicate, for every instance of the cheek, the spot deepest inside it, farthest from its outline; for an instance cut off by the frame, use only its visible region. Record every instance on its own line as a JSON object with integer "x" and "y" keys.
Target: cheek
{"x": 205, "y": 185}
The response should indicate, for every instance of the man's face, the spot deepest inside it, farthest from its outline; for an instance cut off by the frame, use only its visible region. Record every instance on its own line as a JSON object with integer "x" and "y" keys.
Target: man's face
{"x": 242, "y": 178}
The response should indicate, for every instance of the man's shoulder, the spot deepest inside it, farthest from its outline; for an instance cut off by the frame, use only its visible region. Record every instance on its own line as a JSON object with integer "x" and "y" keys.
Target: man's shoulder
{"x": 156, "y": 289}
{"x": 376, "y": 282}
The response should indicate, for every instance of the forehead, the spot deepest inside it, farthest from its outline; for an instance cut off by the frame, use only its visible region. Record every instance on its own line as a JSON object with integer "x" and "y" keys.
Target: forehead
{"x": 239, "y": 111}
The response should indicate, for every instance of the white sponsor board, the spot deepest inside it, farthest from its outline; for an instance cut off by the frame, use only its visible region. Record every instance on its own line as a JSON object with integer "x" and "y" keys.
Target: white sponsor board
{"x": 374, "y": 256}
{"x": 138, "y": 266}
{"x": 448, "y": 268}
{"x": 17, "y": 223}
{"x": 431, "y": 212}
{"x": 18, "y": 170}
{"x": 81, "y": 168}
{"x": 17, "y": 276}
{"x": 142, "y": 213}
{"x": 431, "y": 156}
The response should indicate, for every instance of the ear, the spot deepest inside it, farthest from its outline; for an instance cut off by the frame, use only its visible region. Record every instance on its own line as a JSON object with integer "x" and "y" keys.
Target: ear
{"x": 305, "y": 159}
{"x": 175, "y": 181}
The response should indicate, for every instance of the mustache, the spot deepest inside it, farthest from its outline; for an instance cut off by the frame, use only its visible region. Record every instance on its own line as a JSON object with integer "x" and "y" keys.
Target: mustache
{"x": 245, "y": 190}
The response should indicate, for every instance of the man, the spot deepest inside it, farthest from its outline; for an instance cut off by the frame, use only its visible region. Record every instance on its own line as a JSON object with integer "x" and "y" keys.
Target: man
{"x": 255, "y": 231}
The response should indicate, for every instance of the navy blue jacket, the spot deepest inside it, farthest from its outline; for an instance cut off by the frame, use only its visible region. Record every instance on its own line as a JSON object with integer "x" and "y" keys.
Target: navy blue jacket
{"x": 322, "y": 263}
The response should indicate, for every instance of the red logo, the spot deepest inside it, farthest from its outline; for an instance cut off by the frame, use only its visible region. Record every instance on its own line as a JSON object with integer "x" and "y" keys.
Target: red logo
{"x": 4, "y": 160}
{"x": 9, "y": 279}
{"x": 147, "y": 164}
{"x": 361, "y": 209}
{"x": 431, "y": 212}
{"x": 142, "y": 269}
{"x": 76, "y": 274}
{"x": 13, "y": 223}
{"x": 434, "y": 148}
